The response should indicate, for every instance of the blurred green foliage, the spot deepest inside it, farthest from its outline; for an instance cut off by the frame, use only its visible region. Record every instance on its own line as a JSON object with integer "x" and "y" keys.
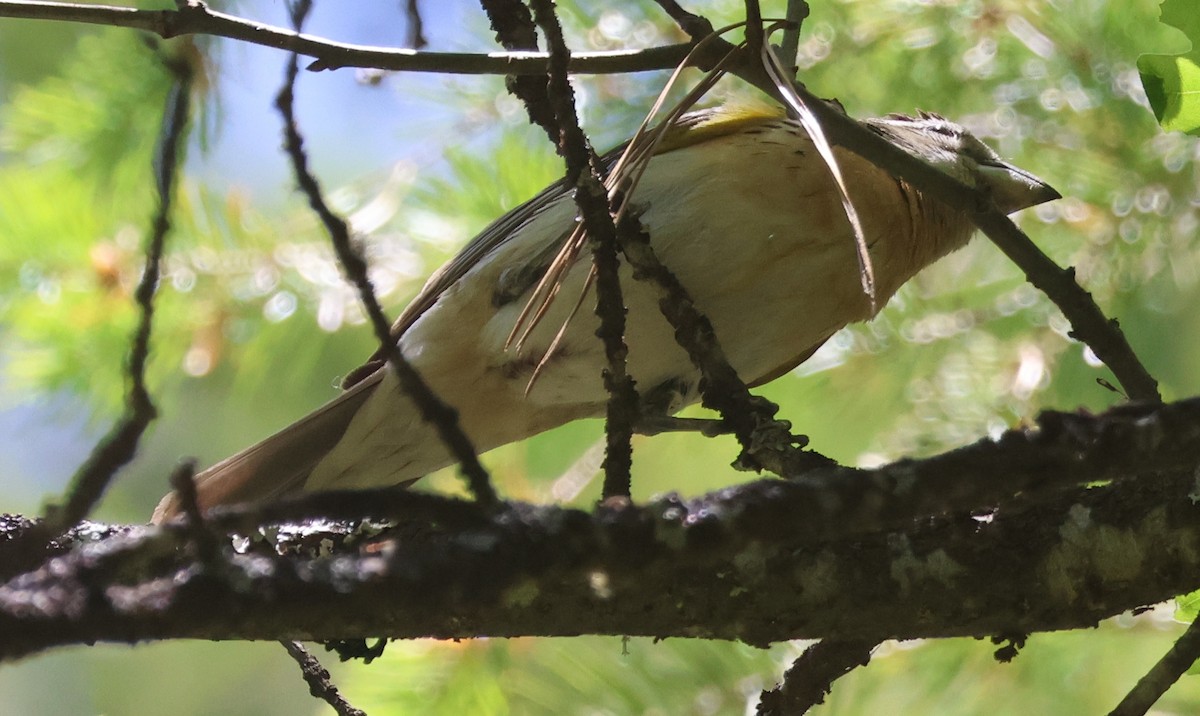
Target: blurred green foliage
{"x": 965, "y": 350}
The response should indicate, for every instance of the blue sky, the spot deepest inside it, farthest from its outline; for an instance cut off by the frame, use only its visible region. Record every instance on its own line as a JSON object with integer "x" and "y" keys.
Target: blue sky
{"x": 352, "y": 128}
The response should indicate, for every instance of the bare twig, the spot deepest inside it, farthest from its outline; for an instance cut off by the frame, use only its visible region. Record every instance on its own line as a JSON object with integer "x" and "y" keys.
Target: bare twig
{"x": 185, "y": 486}
{"x": 696, "y": 26}
{"x": 184, "y": 483}
{"x": 515, "y": 30}
{"x": 789, "y": 45}
{"x": 118, "y": 447}
{"x": 1150, "y": 688}
{"x": 1088, "y": 323}
{"x": 317, "y": 678}
{"x": 443, "y": 417}
{"x": 766, "y": 443}
{"x": 754, "y": 27}
{"x": 583, "y": 172}
{"x": 812, "y": 674}
{"x": 416, "y": 26}
{"x": 197, "y": 19}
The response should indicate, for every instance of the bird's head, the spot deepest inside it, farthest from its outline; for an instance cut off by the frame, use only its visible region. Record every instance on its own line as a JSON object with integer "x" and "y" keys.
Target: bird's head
{"x": 954, "y": 150}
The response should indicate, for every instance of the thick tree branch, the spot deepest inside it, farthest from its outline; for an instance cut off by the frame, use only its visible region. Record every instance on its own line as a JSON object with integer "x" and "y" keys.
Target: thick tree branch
{"x": 1107, "y": 524}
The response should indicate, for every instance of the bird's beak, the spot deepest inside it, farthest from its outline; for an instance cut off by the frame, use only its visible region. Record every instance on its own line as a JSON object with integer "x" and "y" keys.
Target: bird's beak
{"x": 1013, "y": 189}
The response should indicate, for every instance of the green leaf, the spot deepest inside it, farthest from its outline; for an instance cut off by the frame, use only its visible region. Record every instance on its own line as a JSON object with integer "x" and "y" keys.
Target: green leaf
{"x": 1172, "y": 82}
{"x": 1187, "y": 606}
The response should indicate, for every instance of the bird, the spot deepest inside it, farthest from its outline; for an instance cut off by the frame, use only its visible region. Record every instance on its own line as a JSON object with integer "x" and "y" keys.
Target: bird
{"x": 738, "y": 205}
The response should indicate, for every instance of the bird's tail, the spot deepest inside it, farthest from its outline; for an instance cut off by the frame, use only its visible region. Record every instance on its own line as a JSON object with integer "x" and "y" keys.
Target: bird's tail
{"x": 279, "y": 464}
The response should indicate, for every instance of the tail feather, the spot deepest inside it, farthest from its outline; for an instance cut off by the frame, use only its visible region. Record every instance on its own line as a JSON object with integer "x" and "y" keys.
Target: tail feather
{"x": 279, "y": 464}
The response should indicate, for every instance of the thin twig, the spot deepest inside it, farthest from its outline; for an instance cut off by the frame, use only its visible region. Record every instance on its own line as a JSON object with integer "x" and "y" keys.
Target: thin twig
{"x": 1088, "y": 323}
{"x": 754, "y": 27}
{"x": 766, "y": 443}
{"x": 789, "y": 45}
{"x": 515, "y": 30}
{"x": 583, "y": 172}
{"x": 812, "y": 674}
{"x": 184, "y": 483}
{"x": 185, "y": 486}
{"x": 1150, "y": 688}
{"x": 441, "y": 416}
{"x": 197, "y": 19}
{"x": 416, "y": 26}
{"x": 317, "y": 677}
{"x": 696, "y": 26}
{"x": 118, "y": 447}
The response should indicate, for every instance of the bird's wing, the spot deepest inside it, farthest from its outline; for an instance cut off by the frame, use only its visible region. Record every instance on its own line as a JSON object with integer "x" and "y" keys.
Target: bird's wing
{"x": 689, "y": 129}
{"x": 288, "y": 456}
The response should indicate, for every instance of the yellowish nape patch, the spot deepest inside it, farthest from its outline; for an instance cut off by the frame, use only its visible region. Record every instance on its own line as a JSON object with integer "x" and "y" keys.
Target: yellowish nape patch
{"x": 730, "y": 118}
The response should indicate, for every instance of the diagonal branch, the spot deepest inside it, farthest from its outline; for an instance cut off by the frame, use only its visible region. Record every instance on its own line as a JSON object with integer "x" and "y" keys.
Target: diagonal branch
{"x": 516, "y": 31}
{"x": 1169, "y": 669}
{"x": 811, "y": 676}
{"x": 437, "y": 413}
{"x": 317, "y": 678}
